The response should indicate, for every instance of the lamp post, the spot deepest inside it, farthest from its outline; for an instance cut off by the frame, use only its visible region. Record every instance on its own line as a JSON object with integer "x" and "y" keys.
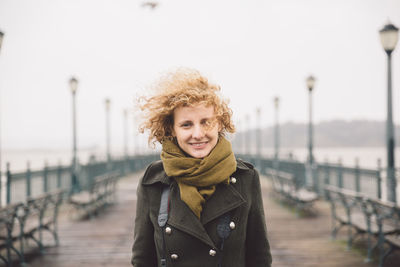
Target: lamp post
{"x": 126, "y": 167}
{"x": 239, "y": 141}
{"x": 125, "y": 112}
{"x": 259, "y": 144}
{"x": 73, "y": 83}
{"x": 258, "y": 138}
{"x": 107, "y": 105}
{"x": 389, "y": 37}
{"x": 243, "y": 142}
{"x": 276, "y": 133}
{"x": 248, "y": 143}
{"x": 1, "y": 38}
{"x": 310, "y": 81}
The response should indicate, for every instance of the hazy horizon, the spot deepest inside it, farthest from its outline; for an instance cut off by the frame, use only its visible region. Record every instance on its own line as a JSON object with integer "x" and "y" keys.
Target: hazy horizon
{"x": 254, "y": 49}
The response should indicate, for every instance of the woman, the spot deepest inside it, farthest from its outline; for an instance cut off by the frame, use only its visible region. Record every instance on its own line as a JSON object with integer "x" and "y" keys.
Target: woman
{"x": 198, "y": 206}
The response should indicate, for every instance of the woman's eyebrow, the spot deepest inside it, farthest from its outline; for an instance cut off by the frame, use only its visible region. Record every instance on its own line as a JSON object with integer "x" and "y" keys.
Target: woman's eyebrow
{"x": 184, "y": 121}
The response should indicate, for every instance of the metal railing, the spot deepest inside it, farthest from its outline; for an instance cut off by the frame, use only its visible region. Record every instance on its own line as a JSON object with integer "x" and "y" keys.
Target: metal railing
{"x": 366, "y": 181}
{"x": 19, "y": 186}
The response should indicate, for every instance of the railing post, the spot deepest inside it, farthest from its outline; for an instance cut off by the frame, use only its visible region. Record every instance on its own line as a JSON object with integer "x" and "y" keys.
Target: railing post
{"x": 379, "y": 179}
{"x": 8, "y": 186}
{"x": 357, "y": 175}
{"x": 340, "y": 173}
{"x": 315, "y": 176}
{"x": 45, "y": 178}
{"x": 59, "y": 175}
{"x": 28, "y": 179}
{"x": 327, "y": 179}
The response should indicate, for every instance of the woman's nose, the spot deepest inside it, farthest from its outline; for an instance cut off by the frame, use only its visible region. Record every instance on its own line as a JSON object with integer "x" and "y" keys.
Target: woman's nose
{"x": 198, "y": 132}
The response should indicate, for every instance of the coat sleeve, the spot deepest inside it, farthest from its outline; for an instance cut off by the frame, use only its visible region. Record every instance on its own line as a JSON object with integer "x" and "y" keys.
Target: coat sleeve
{"x": 257, "y": 246}
{"x": 143, "y": 250}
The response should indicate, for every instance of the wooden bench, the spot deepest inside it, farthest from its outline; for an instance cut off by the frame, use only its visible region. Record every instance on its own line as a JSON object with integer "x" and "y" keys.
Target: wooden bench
{"x": 9, "y": 232}
{"x": 346, "y": 210}
{"x": 387, "y": 219}
{"x": 285, "y": 187}
{"x": 364, "y": 215}
{"x": 98, "y": 195}
{"x": 22, "y": 222}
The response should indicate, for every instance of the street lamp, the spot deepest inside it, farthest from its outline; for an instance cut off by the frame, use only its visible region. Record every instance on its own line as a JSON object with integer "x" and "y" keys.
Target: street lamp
{"x": 1, "y": 38}
{"x": 73, "y": 84}
{"x": 276, "y": 133}
{"x": 126, "y": 162}
{"x": 243, "y": 142}
{"x": 248, "y": 143}
{"x": 310, "y": 81}
{"x": 125, "y": 113}
{"x": 258, "y": 138}
{"x": 310, "y": 85}
{"x": 258, "y": 146}
{"x": 389, "y": 37}
{"x": 107, "y": 105}
{"x": 239, "y": 141}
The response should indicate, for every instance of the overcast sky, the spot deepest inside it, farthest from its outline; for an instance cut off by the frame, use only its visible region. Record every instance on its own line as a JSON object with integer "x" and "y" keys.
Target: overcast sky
{"x": 255, "y": 49}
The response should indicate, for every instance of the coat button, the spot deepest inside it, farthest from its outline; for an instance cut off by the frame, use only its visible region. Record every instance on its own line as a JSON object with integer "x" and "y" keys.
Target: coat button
{"x": 174, "y": 256}
{"x": 168, "y": 230}
{"x": 232, "y": 225}
{"x": 212, "y": 252}
{"x": 233, "y": 180}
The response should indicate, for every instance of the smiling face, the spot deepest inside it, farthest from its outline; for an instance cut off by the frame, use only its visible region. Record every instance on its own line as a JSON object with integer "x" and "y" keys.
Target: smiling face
{"x": 196, "y": 129}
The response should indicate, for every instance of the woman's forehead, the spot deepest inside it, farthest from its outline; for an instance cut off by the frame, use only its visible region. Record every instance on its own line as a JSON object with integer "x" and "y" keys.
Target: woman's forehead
{"x": 194, "y": 111}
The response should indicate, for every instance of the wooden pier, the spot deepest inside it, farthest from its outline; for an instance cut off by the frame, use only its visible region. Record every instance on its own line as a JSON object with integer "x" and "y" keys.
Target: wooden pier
{"x": 107, "y": 239}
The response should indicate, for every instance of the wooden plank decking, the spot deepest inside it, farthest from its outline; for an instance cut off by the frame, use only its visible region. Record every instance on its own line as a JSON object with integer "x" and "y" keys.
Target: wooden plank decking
{"x": 107, "y": 240}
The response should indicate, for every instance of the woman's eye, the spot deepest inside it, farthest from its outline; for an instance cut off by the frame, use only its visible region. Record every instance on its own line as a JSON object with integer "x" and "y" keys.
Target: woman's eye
{"x": 185, "y": 124}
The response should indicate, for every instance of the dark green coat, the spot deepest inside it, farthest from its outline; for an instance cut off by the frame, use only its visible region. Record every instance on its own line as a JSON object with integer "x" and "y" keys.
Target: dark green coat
{"x": 191, "y": 239}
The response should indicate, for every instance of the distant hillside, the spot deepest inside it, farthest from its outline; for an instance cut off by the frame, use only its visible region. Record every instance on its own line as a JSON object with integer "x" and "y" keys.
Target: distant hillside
{"x": 337, "y": 133}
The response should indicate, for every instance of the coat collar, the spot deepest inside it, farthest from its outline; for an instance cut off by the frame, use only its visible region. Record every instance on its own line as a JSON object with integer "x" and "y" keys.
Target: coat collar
{"x": 155, "y": 173}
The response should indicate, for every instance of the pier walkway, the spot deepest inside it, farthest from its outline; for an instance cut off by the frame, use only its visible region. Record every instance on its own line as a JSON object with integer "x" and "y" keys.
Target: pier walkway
{"x": 107, "y": 240}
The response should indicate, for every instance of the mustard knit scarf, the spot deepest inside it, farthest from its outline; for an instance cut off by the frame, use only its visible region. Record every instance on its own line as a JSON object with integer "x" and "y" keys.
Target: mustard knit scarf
{"x": 197, "y": 178}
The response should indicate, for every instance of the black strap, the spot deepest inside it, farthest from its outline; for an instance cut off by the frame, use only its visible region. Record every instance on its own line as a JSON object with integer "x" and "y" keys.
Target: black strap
{"x": 162, "y": 220}
{"x": 163, "y": 213}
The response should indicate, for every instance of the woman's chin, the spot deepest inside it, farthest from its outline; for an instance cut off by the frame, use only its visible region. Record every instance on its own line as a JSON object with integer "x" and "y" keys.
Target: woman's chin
{"x": 199, "y": 154}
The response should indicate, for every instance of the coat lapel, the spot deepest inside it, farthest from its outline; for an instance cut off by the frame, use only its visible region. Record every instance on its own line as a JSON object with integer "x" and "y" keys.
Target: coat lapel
{"x": 182, "y": 218}
{"x": 224, "y": 199}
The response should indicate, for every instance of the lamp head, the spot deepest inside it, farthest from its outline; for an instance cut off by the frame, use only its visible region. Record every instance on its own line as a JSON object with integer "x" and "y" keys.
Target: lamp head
{"x": 73, "y": 84}
{"x": 276, "y": 101}
{"x": 310, "y": 81}
{"x": 389, "y": 36}
{"x": 1, "y": 38}
{"x": 107, "y": 103}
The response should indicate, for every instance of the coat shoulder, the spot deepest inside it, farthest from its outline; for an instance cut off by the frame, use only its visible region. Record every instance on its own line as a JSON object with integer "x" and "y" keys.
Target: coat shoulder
{"x": 155, "y": 173}
{"x": 244, "y": 165}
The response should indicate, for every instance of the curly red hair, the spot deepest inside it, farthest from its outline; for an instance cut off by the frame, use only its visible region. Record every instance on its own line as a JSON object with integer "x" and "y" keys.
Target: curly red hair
{"x": 183, "y": 87}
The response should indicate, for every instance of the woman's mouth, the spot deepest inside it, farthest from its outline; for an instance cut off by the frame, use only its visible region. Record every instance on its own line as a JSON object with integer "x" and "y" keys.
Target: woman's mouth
{"x": 198, "y": 145}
